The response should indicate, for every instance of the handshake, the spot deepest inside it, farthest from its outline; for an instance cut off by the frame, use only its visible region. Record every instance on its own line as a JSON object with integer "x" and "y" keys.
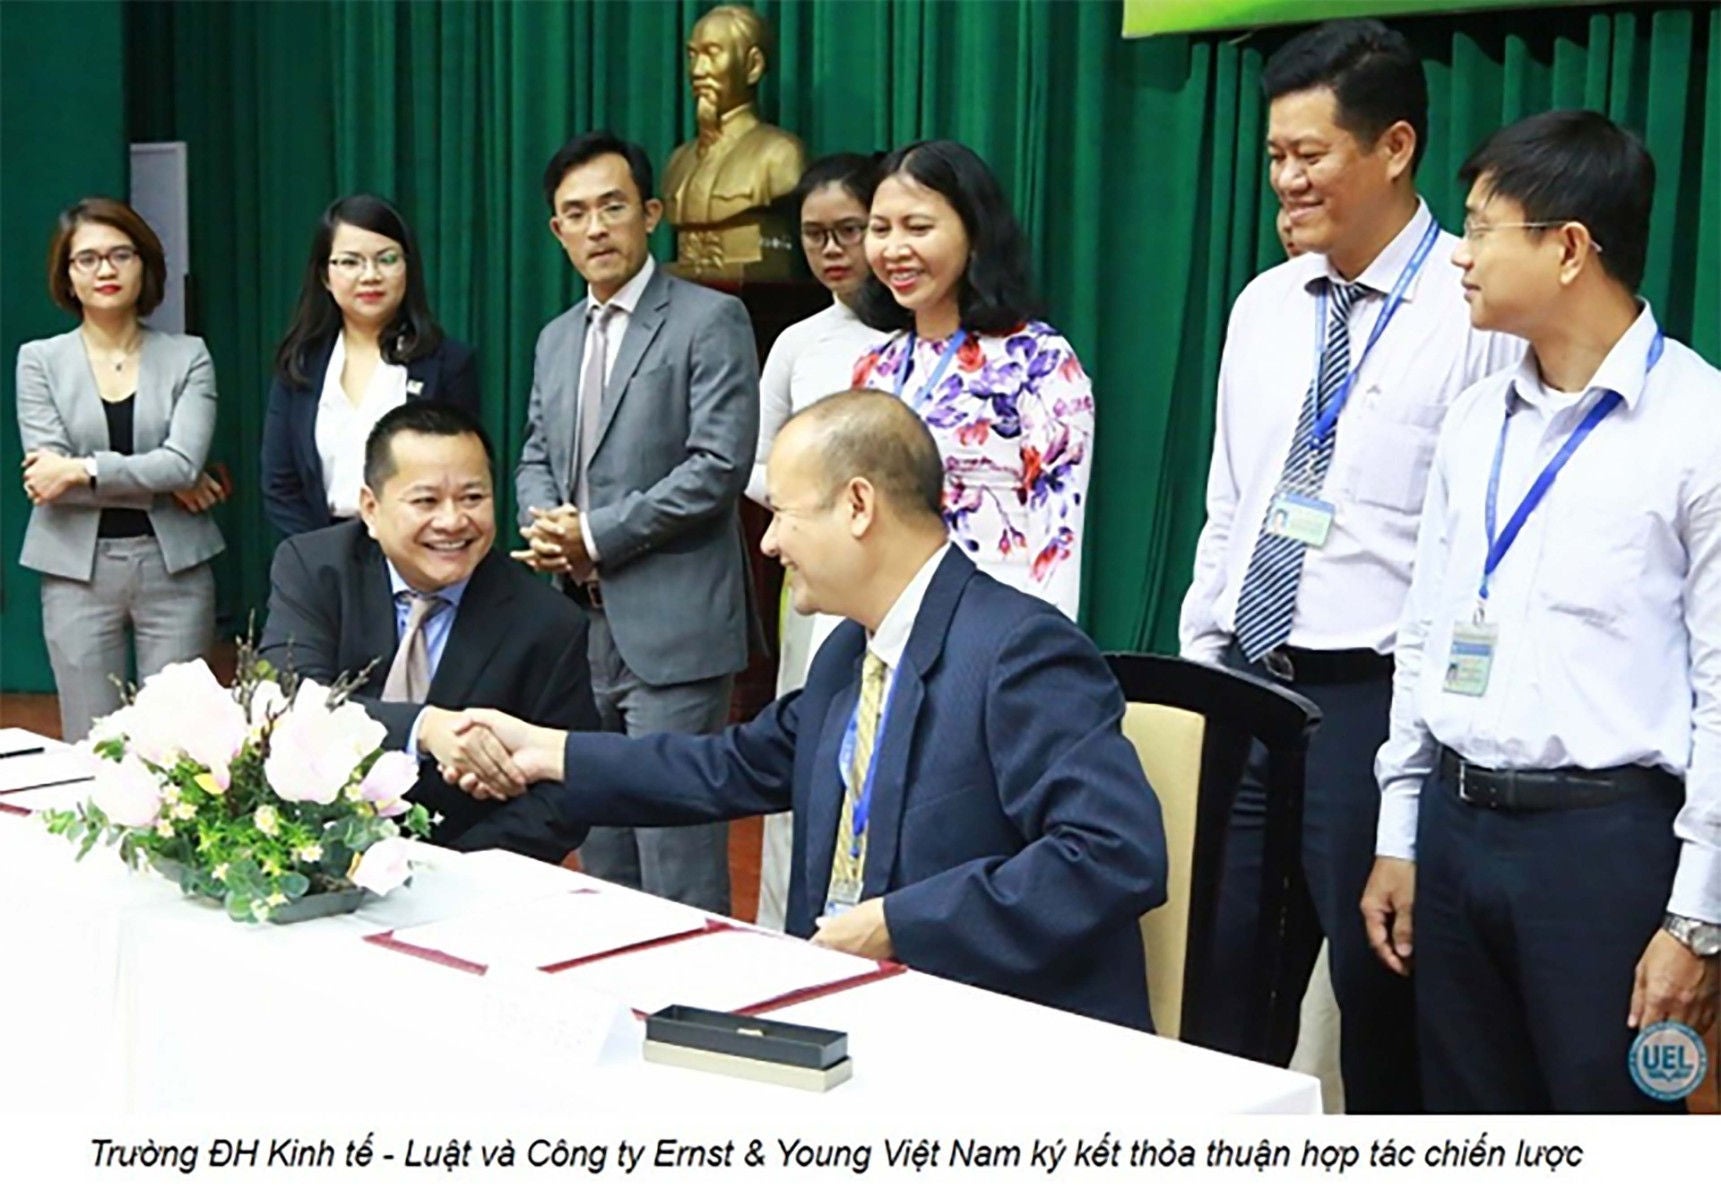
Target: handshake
{"x": 489, "y": 754}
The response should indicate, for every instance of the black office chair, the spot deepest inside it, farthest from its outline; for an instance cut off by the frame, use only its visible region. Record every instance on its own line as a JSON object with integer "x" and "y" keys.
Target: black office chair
{"x": 1193, "y": 726}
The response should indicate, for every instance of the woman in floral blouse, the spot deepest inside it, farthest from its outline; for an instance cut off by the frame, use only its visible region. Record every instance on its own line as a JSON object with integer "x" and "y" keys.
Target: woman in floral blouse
{"x": 1006, "y": 400}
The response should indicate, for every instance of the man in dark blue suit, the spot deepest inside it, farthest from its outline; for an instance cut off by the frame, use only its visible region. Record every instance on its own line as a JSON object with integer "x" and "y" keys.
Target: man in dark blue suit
{"x": 964, "y": 799}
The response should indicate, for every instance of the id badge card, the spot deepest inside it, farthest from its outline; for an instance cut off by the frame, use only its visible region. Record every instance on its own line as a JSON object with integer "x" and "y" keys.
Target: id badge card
{"x": 1473, "y": 644}
{"x": 844, "y": 892}
{"x": 1301, "y": 518}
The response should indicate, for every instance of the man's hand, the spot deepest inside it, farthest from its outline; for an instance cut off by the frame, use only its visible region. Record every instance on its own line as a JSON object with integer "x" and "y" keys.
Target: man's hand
{"x": 470, "y": 749}
{"x": 861, "y": 930}
{"x": 555, "y": 543}
{"x": 201, "y": 496}
{"x": 49, "y": 475}
{"x": 1387, "y": 902}
{"x": 534, "y": 752}
{"x": 1673, "y": 984}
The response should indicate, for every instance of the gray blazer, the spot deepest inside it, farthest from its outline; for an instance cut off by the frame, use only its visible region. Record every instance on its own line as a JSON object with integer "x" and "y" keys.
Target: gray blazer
{"x": 60, "y": 409}
{"x": 679, "y": 422}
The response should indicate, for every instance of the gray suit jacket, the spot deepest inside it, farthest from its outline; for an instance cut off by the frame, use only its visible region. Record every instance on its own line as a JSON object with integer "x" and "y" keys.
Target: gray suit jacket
{"x": 679, "y": 422}
{"x": 60, "y": 409}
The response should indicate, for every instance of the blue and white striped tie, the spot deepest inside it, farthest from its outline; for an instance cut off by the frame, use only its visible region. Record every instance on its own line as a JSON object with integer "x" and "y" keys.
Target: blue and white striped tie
{"x": 1268, "y": 598}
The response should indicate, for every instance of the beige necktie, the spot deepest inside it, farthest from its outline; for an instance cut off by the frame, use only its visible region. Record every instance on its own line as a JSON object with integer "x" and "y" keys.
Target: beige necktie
{"x": 591, "y": 398}
{"x": 848, "y": 863}
{"x": 409, "y": 675}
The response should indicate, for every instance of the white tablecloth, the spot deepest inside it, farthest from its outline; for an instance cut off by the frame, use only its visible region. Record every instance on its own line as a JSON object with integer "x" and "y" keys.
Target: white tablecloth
{"x": 119, "y": 995}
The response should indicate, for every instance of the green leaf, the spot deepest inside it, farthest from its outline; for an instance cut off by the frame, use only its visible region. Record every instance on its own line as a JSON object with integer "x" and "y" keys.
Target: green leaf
{"x": 292, "y": 885}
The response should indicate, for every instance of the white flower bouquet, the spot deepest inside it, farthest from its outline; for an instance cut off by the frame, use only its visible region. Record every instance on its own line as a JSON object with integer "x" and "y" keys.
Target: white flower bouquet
{"x": 256, "y": 796}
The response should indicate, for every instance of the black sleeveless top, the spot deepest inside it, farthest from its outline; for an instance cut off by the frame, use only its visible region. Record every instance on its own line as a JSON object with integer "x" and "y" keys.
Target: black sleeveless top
{"x": 122, "y": 522}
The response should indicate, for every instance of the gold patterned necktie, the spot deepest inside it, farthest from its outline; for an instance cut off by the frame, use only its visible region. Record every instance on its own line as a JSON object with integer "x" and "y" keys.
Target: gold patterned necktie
{"x": 409, "y": 674}
{"x": 848, "y": 863}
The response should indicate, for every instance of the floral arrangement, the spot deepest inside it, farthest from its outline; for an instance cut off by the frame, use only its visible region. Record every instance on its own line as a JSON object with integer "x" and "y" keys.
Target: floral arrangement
{"x": 256, "y": 795}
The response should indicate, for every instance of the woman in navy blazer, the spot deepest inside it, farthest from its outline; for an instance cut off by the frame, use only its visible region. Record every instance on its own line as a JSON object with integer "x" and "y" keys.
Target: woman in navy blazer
{"x": 363, "y": 341}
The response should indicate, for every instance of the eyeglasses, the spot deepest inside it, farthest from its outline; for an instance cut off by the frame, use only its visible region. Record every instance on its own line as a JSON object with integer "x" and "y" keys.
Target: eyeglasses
{"x": 119, "y": 258}
{"x": 608, "y": 215}
{"x": 845, "y": 233}
{"x": 353, "y": 265}
{"x": 1475, "y": 230}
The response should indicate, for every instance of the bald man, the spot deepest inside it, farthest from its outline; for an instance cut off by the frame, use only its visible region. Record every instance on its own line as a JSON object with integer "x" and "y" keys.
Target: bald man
{"x": 964, "y": 799}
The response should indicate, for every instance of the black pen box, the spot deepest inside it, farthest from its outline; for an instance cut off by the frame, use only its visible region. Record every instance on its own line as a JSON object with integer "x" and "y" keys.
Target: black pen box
{"x": 747, "y": 1037}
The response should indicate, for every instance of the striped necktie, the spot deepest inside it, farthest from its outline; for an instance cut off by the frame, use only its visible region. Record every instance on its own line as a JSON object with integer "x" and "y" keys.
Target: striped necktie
{"x": 848, "y": 863}
{"x": 1268, "y": 599}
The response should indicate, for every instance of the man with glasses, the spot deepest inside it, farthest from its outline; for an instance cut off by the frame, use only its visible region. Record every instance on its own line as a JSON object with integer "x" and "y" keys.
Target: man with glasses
{"x": 639, "y": 440}
{"x": 1551, "y": 793}
{"x": 1337, "y": 369}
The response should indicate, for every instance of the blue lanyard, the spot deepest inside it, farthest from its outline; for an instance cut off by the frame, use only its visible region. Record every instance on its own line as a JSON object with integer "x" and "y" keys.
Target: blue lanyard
{"x": 1329, "y": 416}
{"x": 846, "y": 762}
{"x": 1498, "y": 545}
{"x": 958, "y": 340}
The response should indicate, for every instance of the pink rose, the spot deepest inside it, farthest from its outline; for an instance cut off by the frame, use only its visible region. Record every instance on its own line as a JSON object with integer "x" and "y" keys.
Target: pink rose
{"x": 183, "y": 710}
{"x": 313, "y": 751}
{"x": 389, "y": 779}
{"x": 127, "y": 791}
{"x": 383, "y": 867}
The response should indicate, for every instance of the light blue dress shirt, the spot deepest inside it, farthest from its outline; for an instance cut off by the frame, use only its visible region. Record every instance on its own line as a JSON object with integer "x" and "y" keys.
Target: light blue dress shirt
{"x": 436, "y": 627}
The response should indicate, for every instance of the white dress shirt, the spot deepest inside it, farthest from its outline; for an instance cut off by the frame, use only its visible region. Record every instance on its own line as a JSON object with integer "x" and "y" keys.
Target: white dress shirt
{"x": 343, "y": 426}
{"x": 620, "y": 307}
{"x": 891, "y": 638}
{"x": 1608, "y": 604}
{"x": 810, "y": 360}
{"x": 1353, "y": 587}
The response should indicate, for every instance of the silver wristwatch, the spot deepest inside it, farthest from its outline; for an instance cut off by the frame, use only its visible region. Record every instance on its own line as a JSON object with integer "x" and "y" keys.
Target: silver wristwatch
{"x": 1699, "y": 937}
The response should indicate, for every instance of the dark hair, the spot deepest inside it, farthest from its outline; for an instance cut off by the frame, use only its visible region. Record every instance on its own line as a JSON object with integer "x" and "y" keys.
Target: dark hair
{"x": 581, "y": 150}
{"x": 856, "y": 174}
{"x": 428, "y": 417}
{"x": 994, "y": 295}
{"x": 1578, "y": 166}
{"x": 872, "y": 435}
{"x": 116, "y": 214}
{"x": 412, "y": 334}
{"x": 1373, "y": 73}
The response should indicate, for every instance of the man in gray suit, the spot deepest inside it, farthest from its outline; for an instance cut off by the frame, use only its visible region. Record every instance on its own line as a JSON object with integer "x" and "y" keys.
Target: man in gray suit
{"x": 644, "y": 413}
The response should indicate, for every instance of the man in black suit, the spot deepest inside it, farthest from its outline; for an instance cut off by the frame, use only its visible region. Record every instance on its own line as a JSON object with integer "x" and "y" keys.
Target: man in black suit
{"x": 418, "y": 594}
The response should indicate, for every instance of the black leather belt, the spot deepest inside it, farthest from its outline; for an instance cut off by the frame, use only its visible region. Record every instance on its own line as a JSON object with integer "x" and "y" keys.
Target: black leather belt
{"x": 1288, "y": 664}
{"x": 1545, "y": 791}
{"x": 586, "y": 595}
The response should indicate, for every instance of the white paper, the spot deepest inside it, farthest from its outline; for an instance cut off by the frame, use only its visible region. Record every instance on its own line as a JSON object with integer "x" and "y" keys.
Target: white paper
{"x": 520, "y": 1007}
{"x": 724, "y": 971}
{"x": 546, "y": 930}
{"x": 13, "y": 737}
{"x": 53, "y": 795}
{"x": 55, "y": 763}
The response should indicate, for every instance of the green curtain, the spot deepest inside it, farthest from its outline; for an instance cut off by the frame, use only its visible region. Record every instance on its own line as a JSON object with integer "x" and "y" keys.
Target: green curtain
{"x": 1136, "y": 166}
{"x": 62, "y": 136}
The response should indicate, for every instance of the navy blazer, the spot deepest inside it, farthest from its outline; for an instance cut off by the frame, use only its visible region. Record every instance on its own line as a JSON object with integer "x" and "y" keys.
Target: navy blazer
{"x": 294, "y": 491}
{"x": 1013, "y": 835}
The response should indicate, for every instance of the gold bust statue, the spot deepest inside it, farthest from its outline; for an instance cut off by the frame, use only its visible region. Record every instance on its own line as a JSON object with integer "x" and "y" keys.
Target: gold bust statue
{"x": 717, "y": 188}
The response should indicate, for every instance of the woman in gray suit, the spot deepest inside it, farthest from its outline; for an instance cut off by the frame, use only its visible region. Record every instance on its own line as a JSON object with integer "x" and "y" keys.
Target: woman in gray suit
{"x": 116, "y": 420}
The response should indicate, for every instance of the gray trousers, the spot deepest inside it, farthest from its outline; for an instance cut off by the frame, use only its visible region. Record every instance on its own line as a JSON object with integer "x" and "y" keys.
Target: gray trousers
{"x": 689, "y": 863}
{"x": 171, "y": 617}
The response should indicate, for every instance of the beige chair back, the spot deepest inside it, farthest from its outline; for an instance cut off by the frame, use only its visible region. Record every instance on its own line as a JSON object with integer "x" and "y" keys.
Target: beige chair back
{"x": 1168, "y": 741}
